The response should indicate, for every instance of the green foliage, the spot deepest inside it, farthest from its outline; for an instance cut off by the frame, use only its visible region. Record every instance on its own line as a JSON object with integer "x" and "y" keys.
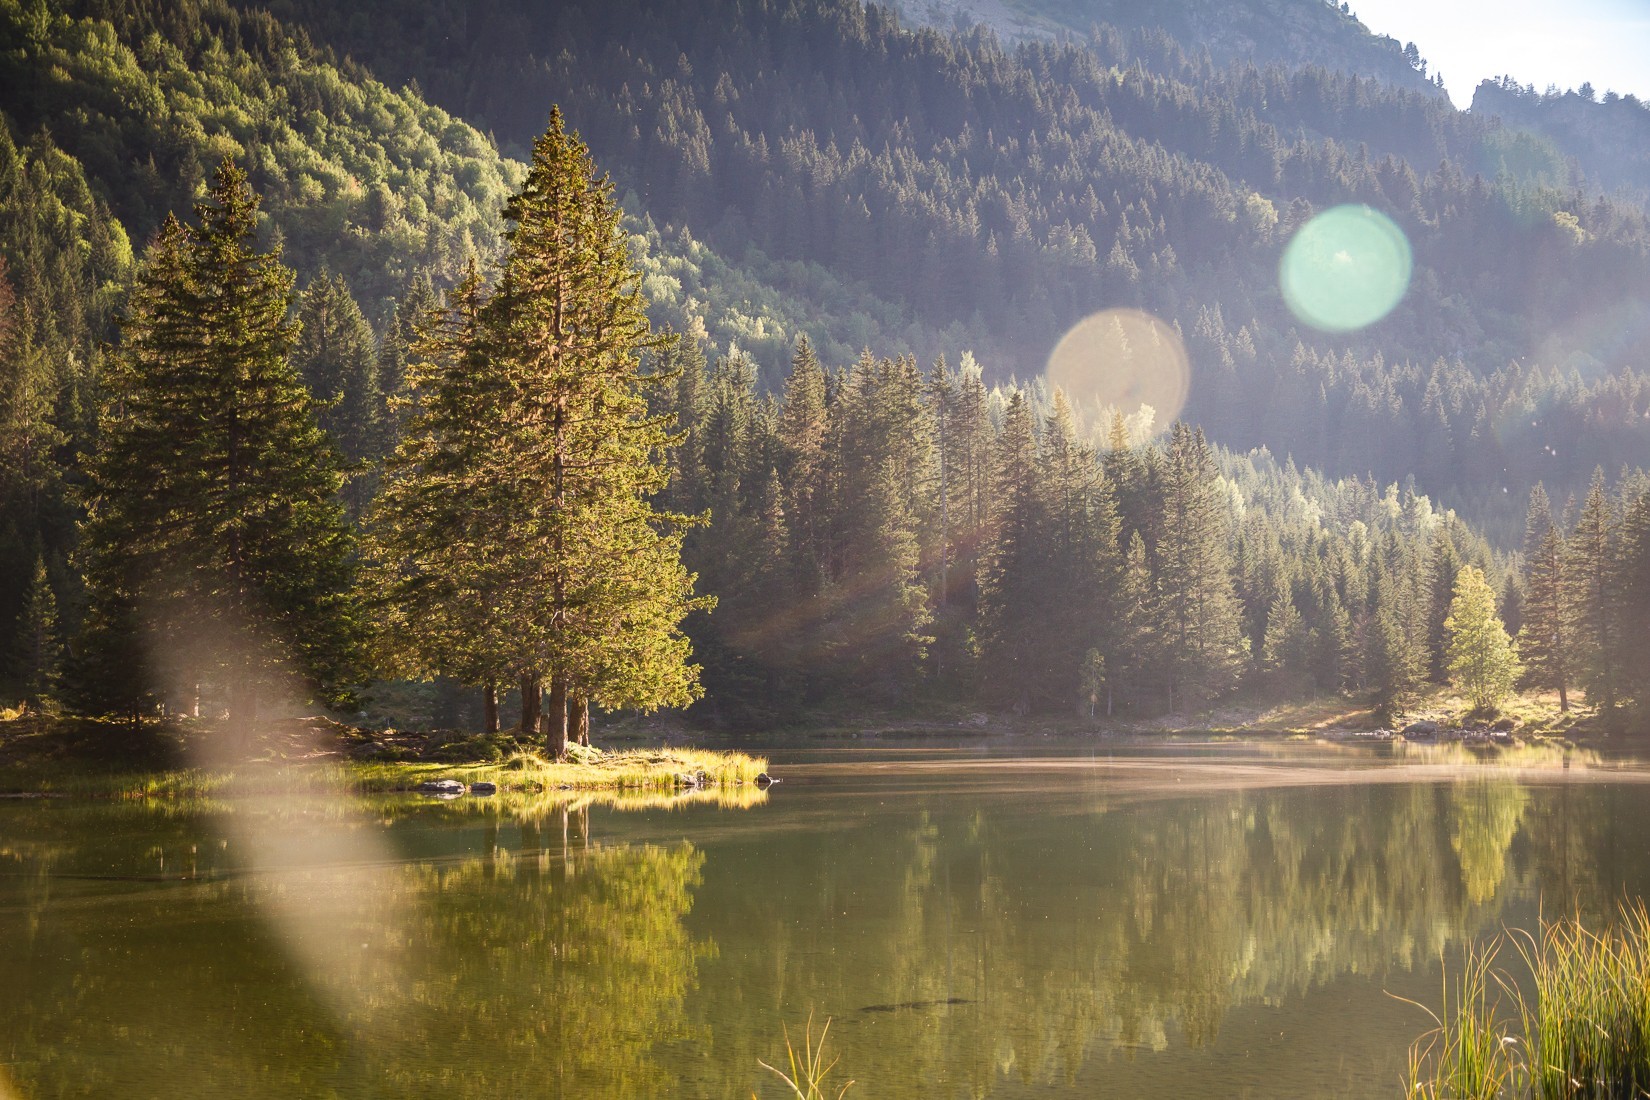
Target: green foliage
{"x": 336, "y": 356}
{"x": 213, "y": 514}
{"x": 1547, "y": 634}
{"x": 1585, "y": 1032}
{"x": 39, "y": 643}
{"x": 1482, "y": 659}
{"x": 373, "y": 183}
{"x": 516, "y": 537}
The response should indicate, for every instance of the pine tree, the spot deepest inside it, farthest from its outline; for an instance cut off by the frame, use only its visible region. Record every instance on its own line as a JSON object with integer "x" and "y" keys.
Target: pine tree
{"x": 1286, "y": 652}
{"x": 435, "y": 573}
{"x": 335, "y": 355}
{"x": 39, "y": 649}
{"x": 411, "y": 312}
{"x": 1546, "y": 637}
{"x": 1633, "y": 584}
{"x": 580, "y": 574}
{"x": 1083, "y": 566}
{"x": 880, "y": 453}
{"x": 1137, "y": 647}
{"x": 1012, "y": 587}
{"x": 1198, "y": 611}
{"x": 1594, "y": 579}
{"x": 1393, "y": 666}
{"x": 1482, "y": 660}
{"x": 1443, "y": 566}
{"x": 213, "y": 507}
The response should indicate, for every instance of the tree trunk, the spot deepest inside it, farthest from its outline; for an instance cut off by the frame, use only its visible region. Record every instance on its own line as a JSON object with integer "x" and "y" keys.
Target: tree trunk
{"x": 555, "y": 716}
{"x": 489, "y": 706}
{"x": 1563, "y": 699}
{"x": 530, "y": 693}
{"x": 581, "y": 719}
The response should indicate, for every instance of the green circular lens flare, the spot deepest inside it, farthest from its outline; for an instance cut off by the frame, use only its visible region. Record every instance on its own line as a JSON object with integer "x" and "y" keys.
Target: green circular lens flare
{"x": 1346, "y": 268}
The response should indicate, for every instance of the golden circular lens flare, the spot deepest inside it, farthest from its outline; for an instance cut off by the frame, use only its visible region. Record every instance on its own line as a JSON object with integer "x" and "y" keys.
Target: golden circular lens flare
{"x": 1123, "y": 360}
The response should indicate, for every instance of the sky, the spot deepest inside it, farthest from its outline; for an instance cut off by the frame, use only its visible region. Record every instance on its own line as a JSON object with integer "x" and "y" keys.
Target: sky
{"x": 1540, "y": 42}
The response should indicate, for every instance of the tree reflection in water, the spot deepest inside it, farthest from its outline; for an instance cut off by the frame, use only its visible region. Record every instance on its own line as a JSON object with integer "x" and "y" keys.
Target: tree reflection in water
{"x": 963, "y": 945}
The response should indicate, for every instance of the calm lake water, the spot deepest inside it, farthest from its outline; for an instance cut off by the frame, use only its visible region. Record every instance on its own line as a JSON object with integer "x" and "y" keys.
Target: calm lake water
{"x": 973, "y": 922}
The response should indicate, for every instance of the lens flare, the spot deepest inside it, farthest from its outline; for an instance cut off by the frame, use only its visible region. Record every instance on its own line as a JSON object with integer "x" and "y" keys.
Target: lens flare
{"x": 1122, "y": 359}
{"x": 1345, "y": 269}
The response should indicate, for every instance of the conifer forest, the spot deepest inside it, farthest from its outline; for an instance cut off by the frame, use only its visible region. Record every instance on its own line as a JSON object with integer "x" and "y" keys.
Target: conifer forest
{"x": 753, "y": 359}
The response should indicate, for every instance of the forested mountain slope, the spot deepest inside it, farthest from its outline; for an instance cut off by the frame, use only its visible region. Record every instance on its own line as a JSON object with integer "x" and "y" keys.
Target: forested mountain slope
{"x": 1287, "y": 32}
{"x": 1607, "y": 136}
{"x": 811, "y": 167}
{"x": 998, "y": 195}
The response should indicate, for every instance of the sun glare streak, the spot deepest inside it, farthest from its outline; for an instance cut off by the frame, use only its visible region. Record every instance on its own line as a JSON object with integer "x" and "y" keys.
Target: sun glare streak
{"x": 330, "y": 896}
{"x": 1122, "y": 359}
{"x": 1345, "y": 269}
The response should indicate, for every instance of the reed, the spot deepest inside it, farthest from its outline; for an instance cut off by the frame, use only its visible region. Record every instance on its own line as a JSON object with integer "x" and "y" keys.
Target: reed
{"x": 1583, "y": 1032}
{"x": 809, "y": 1069}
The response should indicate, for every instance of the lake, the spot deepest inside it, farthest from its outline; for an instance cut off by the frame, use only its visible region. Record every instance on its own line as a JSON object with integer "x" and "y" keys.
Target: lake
{"x": 973, "y": 921}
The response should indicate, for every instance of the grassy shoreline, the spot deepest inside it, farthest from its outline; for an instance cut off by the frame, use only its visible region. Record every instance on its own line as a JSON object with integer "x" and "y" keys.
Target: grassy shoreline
{"x": 96, "y": 759}
{"x": 92, "y": 758}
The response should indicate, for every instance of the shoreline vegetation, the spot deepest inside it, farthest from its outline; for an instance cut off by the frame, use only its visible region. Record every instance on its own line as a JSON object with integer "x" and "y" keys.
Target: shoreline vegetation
{"x": 46, "y": 755}
{"x": 1572, "y": 1021}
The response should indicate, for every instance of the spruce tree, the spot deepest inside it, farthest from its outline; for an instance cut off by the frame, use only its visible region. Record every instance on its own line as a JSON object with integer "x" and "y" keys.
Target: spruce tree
{"x": 1083, "y": 567}
{"x": 1393, "y": 666}
{"x": 1013, "y": 589}
{"x": 1198, "y": 611}
{"x": 1442, "y": 568}
{"x": 336, "y": 357}
{"x": 213, "y": 510}
{"x": 1286, "y": 651}
{"x": 1633, "y": 584}
{"x": 1546, "y": 637}
{"x": 38, "y": 647}
{"x": 881, "y": 457}
{"x": 436, "y": 576}
{"x": 580, "y": 575}
{"x": 1594, "y": 581}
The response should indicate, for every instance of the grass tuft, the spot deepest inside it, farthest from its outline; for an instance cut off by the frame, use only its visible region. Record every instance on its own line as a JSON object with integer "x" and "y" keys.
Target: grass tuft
{"x": 808, "y": 1068}
{"x": 1585, "y": 1035}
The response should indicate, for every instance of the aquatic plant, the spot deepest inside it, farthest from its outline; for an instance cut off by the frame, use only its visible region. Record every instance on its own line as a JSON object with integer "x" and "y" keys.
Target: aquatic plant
{"x": 809, "y": 1068}
{"x": 1585, "y": 1034}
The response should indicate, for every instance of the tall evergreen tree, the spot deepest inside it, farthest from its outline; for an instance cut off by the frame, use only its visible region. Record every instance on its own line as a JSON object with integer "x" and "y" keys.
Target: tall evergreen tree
{"x": 1633, "y": 584}
{"x": 1393, "y": 665}
{"x": 1083, "y": 566}
{"x": 1198, "y": 612}
{"x": 1443, "y": 565}
{"x": 336, "y": 357}
{"x": 38, "y": 646}
{"x": 1286, "y": 653}
{"x": 881, "y": 456}
{"x": 1594, "y": 549}
{"x": 1546, "y": 637}
{"x": 213, "y": 509}
{"x": 1013, "y": 589}
{"x": 587, "y": 573}
{"x": 436, "y": 576}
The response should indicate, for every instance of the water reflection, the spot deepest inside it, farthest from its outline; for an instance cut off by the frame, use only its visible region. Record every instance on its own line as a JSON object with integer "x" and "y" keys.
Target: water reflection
{"x": 531, "y": 960}
{"x": 1042, "y": 931}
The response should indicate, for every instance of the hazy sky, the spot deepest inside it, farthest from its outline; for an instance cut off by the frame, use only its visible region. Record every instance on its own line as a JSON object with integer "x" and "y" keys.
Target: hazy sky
{"x": 1540, "y": 42}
